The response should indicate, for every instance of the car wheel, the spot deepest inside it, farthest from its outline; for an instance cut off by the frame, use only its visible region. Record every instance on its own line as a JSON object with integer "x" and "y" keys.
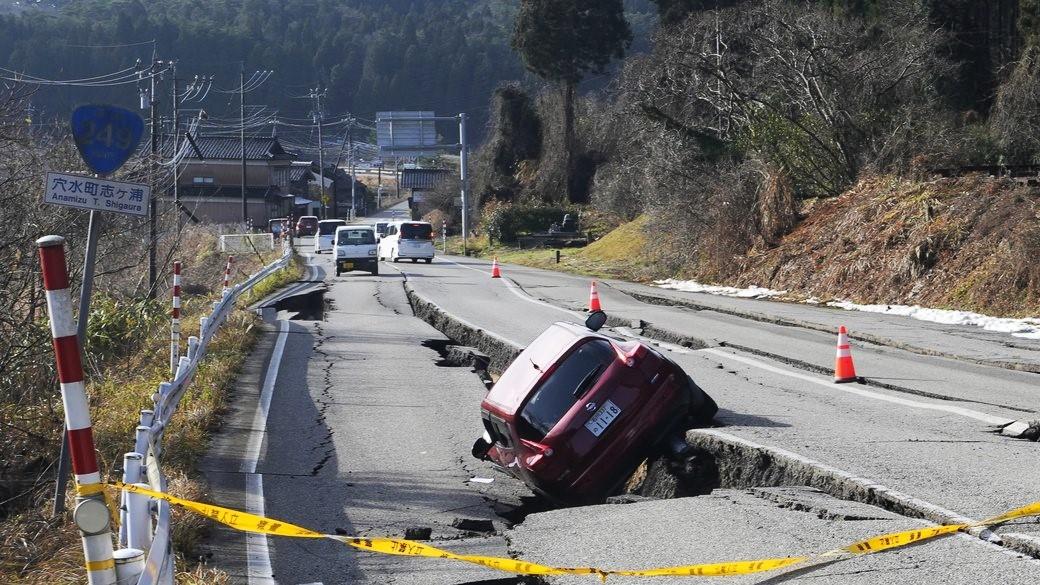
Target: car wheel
{"x": 415, "y": 260}
{"x": 375, "y": 270}
{"x": 337, "y": 272}
{"x": 702, "y": 407}
{"x": 393, "y": 256}
{"x": 429, "y": 260}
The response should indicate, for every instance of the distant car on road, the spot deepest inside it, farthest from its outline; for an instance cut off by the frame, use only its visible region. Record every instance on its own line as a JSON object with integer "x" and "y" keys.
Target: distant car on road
{"x": 326, "y": 232}
{"x": 577, "y": 411}
{"x": 355, "y": 249}
{"x": 307, "y": 225}
{"x": 408, "y": 240}
{"x": 275, "y": 226}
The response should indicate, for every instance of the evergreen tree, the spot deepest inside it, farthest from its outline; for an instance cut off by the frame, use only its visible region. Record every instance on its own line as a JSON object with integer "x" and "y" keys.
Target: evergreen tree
{"x": 563, "y": 40}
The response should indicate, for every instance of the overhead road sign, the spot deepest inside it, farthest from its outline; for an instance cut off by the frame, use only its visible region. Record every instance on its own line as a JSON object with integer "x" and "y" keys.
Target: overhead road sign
{"x": 407, "y": 133}
{"x": 96, "y": 194}
{"x": 106, "y": 136}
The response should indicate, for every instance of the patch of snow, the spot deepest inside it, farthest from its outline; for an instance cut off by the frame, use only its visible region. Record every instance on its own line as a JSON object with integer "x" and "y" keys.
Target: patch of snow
{"x": 753, "y": 292}
{"x": 1028, "y": 328}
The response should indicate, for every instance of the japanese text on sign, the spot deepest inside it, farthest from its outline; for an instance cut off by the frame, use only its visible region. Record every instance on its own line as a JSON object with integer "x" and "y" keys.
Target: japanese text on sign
{"x": 100, "y": 194}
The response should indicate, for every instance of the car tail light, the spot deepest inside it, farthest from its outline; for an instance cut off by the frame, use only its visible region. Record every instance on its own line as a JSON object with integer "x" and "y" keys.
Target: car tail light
{"x": 537, "y": 447}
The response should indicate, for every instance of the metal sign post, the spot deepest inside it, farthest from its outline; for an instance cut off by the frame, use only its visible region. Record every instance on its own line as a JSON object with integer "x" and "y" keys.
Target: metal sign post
{"x": 412, "y": 136}
{"x": 106, "y": 137}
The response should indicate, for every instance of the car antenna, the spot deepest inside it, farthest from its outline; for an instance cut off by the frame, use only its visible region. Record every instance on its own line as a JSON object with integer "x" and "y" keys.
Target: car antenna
{"x": 534, "y": 364}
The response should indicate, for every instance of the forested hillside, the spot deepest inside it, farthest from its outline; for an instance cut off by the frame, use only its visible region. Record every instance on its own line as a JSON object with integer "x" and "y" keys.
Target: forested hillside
{"x": 443, "y": 55}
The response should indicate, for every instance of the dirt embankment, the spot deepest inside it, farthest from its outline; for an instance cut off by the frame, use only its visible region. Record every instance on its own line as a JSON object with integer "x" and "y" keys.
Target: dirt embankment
{"x": 967, "y": 243}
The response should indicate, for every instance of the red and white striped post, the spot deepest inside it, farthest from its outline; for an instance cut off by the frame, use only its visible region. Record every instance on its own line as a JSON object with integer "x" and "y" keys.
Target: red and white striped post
{"x": 175, "y": 322}
{"x": 227, "y": 273}
{"x": 91, "y": 514}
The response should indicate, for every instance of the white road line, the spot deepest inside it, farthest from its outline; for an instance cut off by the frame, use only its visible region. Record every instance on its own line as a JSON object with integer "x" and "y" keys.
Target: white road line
{"x": 258, "y": 555}
{"x": 465, "y": 322}
{"x": 513, "y": 288}
{"x": 938, "y": 514}
{"x": 859, "y": 391}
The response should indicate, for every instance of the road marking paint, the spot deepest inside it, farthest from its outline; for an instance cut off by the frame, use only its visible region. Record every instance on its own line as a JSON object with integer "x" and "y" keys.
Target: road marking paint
{"x": 258, "y": 555}
{"x": 931, "y": 512}
{"x": 515, "y": 289}
{"x": 862, "y": 392}
{"x": 463, "y": 321}
{"x": 957, "y": 410}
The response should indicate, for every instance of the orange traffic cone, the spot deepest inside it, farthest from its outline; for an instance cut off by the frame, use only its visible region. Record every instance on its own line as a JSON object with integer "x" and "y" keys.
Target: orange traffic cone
{"x": 844, "y": 371}
{"x": 594, "y": 299}
{"x": 495, "y": 271}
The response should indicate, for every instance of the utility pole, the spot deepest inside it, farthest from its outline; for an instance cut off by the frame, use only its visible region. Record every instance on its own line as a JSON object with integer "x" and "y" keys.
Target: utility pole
{"x": 153, "y": 103}
{"x": 316, "y": 96}
{"x": 176, "y": 144}
{"x": 464, "y": 179}
{"x": 353, "y": 169}
{"x": 242, "y": 135}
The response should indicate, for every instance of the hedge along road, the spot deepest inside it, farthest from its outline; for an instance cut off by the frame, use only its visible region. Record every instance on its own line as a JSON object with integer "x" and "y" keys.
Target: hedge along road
{"x": 940, "y": 451}
{"x": 365, "y": 434}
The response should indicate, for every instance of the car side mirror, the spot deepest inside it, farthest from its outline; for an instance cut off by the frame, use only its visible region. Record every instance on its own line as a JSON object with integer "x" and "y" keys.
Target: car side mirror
{"x": 481, "y": 447}
{"x": 596, "y": 320}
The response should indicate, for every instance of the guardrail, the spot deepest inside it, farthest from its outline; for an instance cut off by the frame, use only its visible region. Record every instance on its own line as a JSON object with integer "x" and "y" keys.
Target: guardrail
{"x": 145, "y": 555}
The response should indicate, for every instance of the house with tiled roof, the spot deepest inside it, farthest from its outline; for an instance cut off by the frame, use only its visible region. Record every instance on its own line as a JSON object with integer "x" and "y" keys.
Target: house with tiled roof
{"x": 209, "y": 179}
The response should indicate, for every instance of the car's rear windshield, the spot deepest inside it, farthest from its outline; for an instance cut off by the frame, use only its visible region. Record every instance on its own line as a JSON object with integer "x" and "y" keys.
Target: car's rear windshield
{"x": 327, "y": 228}
{"x": 308, "y": 221}
{"x": 416, "y": 231}
{"x": 570, "y": 381}
{"x": 356, "y": 237}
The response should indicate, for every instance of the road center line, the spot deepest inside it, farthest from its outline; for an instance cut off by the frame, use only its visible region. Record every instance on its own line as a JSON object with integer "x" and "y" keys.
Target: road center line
{"x": 850, "y": 389}
{"x": 513, "y": 288}
{"x": 957, "y": 410}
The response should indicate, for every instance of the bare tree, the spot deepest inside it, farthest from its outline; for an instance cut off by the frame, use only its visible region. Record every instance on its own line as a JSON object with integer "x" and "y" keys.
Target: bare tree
{"x": 818, "y": 94}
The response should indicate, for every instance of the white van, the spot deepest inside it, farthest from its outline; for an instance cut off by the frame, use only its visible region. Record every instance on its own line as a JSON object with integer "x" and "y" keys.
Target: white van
{"x": 355, "y": 249}
{"x": 407, "y": 239}
{"x": 326, "y": 233}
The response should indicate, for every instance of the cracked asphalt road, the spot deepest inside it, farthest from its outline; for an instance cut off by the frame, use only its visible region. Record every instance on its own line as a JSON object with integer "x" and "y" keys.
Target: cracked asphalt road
{"x": 368, "y": 436}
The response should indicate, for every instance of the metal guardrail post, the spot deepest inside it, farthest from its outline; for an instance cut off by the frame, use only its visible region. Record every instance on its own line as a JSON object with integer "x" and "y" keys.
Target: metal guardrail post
{"x": 139, "y": 527}
{"x": 141, "y": 440}
{"x": 193, "y": 347}
{"x": 91, "y": 514}
{"x": 131, "y": 474}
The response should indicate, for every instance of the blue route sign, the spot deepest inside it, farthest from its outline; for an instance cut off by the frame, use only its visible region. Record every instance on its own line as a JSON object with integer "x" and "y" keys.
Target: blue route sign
{"x": 106, "y": 136}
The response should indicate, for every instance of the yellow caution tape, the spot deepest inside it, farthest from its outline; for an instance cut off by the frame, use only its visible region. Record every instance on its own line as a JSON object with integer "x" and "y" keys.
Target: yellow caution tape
{"x": 394, "y": 546}
{"x": 717, "y": 569}
{"x": 234, "y": 518}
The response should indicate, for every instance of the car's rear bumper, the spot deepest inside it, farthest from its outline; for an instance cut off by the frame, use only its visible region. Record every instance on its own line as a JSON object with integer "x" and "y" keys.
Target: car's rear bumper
{"x": 355, "y": 263}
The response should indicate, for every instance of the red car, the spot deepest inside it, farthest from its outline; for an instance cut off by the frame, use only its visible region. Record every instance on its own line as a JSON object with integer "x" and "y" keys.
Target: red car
{"x": 307, "y": 225}
{"x": 577, "y": 411}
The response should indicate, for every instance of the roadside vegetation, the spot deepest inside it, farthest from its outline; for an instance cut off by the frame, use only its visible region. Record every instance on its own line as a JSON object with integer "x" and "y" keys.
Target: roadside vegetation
{"x": 128, "y": 356}
{"x": 819, "y": 147}
{"x": 126, "y": 353}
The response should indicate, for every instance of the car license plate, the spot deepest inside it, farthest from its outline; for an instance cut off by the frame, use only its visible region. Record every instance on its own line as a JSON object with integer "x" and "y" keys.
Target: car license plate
{"x": 603, "y": 417}
{"x": 348, "y": 266}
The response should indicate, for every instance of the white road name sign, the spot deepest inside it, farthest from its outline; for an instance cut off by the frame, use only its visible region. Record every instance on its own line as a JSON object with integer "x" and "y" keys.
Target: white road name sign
{"x": 100, "y": 194}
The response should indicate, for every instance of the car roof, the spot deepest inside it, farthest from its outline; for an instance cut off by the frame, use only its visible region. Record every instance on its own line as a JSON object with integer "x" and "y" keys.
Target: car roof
{"x": 363, "y": 226}
{"x": 521, "y": 376}
{"x": 308, "y": 217}
{"x": 333, "y": 221}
